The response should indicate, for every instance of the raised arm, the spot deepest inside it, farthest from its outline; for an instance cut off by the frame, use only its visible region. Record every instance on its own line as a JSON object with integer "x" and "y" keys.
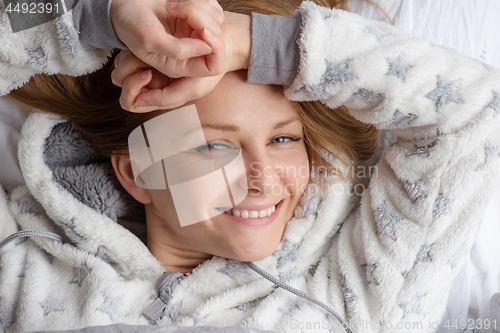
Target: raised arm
{"x": 417, "y": 221}
{"x": 80, "y": 40}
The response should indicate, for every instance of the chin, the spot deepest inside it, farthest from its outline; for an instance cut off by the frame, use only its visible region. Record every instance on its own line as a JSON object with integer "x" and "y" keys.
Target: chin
{"x": 254, "y": 252}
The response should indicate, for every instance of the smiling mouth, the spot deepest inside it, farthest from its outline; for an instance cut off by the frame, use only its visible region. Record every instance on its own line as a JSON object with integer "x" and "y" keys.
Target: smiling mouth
{"x": 250, "y": 214}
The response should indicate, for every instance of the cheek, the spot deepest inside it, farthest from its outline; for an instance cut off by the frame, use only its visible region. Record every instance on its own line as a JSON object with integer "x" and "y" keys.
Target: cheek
{"x": 295, "y": 175}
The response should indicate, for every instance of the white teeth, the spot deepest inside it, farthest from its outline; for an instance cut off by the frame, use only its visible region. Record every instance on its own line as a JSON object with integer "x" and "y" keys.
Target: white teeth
{"x": 252, "y": 214}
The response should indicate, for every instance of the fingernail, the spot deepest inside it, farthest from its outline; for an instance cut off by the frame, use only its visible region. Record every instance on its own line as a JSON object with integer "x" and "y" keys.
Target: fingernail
{"x": 202, "y": 50}
{"x": 172, "y": 4}
{"x": 141, "y": 103}
{"x": 144, "y": 74}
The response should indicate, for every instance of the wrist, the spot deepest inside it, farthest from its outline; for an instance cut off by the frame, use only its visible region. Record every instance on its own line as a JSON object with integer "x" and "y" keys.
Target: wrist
{"x": 237, "y": 28}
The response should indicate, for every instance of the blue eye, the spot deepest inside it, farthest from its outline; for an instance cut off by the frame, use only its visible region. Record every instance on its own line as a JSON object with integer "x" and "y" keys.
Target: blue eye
{"x": 283, "y": 139}
{"x": 214, "y": 145}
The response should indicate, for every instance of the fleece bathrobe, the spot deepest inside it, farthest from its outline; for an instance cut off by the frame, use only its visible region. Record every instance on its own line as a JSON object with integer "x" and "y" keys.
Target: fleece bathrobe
{"x": 384, "y": 262}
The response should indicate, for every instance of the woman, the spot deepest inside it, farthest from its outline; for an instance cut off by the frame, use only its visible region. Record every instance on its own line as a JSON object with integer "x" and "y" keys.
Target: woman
{"x": 384, "y": 264}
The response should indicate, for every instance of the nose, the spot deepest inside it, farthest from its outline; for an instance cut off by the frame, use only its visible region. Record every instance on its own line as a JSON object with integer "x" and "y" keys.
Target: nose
{"x": 262, "y": 177}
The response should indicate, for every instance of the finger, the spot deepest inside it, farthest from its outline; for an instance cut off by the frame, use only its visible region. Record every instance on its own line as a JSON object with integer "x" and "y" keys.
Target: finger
{"x": 126, "y": 65}
{"x": 133, "y": 86}
{"x": 164, "y": 46}
{"x": 217, "y": 5}
{"x": 216, "y": 61}
{"x": 198, "y": 14}
{"x": 175, "y": 95}
{"x": 209, "y": 65}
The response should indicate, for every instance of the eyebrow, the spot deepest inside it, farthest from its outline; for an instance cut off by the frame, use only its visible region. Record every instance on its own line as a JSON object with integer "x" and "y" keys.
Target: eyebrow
{"x": 232, "y": 128}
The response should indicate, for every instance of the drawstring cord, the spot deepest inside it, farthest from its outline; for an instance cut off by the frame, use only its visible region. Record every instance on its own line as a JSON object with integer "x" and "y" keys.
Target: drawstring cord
{"x": 31, "y": 233}
{"x": 300, "y": 294}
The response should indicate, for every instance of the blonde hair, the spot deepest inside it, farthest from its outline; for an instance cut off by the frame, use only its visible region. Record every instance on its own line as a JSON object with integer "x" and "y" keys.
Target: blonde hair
{"x": 90, "y": 102}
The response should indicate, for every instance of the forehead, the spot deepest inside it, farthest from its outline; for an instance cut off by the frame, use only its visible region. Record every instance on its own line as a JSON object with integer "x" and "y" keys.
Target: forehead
{"x": 237, "y": 101}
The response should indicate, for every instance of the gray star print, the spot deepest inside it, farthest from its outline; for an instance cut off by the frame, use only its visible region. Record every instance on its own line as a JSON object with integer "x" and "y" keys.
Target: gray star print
{"x": 446, "y": 92}
{"x": 413, "y": 306}
{"x": 441, "y": 205}
{"x": 337, "y": 73}
{"x": 348, "y": 294}
{"x": 386, "y": 221}
{"x": 286, "y": 253}
{"x": 81, "y": 273}
{"x": 378, "y": 33}
{"x": 495, "y": 104}
{"x": 424, "y": 254}
{"x": 400, "y": 120}
{"x": 233, "y": 268}
{"x": 111, "y": 306}
{"x": 51, "y": 305}
{"x": 398, "y": 68}
{"x": 423, "y": 151}
{"x": 371, "y": 270}
{"x": 37, "y": 58}
{"x": 489, "y": 155}
{"x": 367, "y": 95}
{"x": 415, "y": 190}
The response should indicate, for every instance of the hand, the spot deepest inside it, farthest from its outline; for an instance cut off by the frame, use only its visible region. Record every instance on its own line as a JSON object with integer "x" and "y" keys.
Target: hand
{"x": 146, "y": 89}
{"x": 165, "y": 35}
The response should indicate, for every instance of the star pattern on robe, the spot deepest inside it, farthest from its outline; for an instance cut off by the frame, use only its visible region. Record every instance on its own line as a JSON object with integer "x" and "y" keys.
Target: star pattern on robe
{"x": 367, "y": 95}
{"x": 286, "y": 253}
{"x": 412, "y": 306}
{"x": 441, "y": 205}
{"x": 422, "y": 151}
{"x": 378, "y": 33}
{"x": 233, "y": 268}
{"x": 401, "y": 120}
{"x": 337, "y": 73}
{"x": 490, "y": 153}
{"x": 415, "y": 190}
{"x": 495, "y": 104}
{"x": 446, "y": 92}
{"x": 51, "y": 305}
{"x": 398, "y": 68}
{"x": 7, "y": 314}
{"x": 81, "y": 273}
{"x": 328, "y": 14}
{"x": 69, "y": 229}
{"x": 111, "y": 306}
{"x": 371, "y": 273}
{"x": 387, "y": 221}
{"x": 423, "y": 254}
{"x": 347, "y": 293}
{"x": 37, "y": 58}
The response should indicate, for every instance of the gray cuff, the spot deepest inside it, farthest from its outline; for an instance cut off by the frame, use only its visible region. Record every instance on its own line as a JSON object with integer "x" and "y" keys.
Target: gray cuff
{"x": 91, "y": 19}
{"x": 275, "y": 55}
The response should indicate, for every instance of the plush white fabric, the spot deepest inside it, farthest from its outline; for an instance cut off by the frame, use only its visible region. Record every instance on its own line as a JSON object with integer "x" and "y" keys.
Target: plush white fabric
{"x": 470, "y": 27}
{"x": 388, "y": 260}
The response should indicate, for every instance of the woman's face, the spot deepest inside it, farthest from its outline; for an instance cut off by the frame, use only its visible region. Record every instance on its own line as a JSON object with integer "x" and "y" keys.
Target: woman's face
{"x": 262, "y": 122}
